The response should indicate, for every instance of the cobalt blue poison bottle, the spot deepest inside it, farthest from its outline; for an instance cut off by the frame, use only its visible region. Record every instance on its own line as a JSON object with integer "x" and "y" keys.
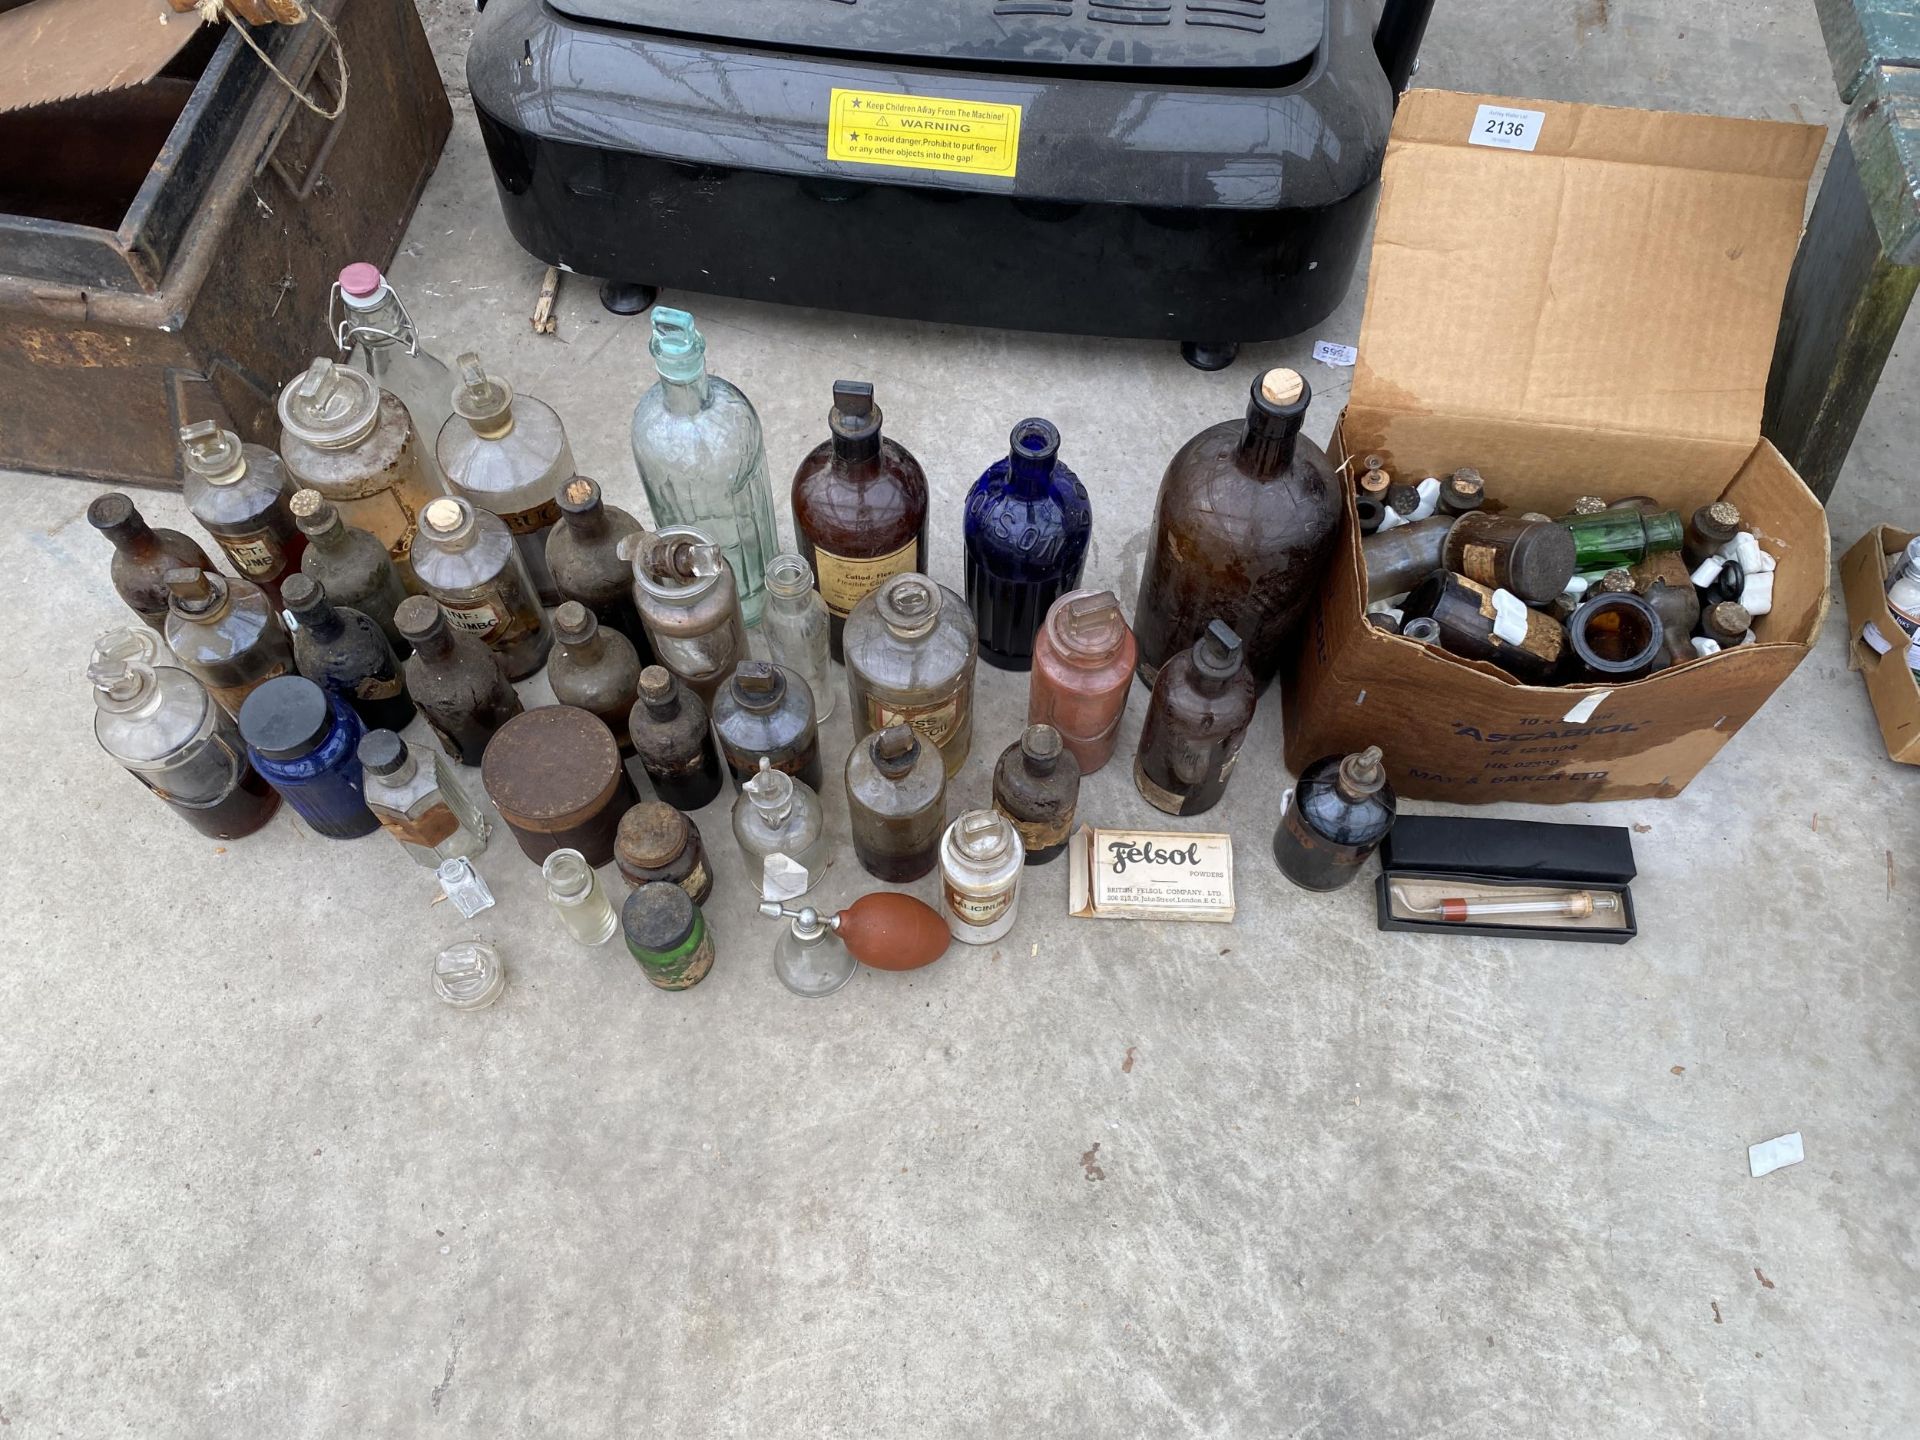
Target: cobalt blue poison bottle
{"x": 305, "y": 743}
{"x": 1028, "y": 520}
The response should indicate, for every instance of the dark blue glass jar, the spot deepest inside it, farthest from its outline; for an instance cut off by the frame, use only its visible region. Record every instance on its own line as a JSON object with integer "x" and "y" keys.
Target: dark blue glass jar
{"x": 1028, "y": 522}
{"x": 305, "y": 743}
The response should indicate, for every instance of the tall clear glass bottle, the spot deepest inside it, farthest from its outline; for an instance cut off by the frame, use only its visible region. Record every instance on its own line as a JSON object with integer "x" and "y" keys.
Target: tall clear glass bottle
{"x": 414, "y": 796}
{"x": 510, "y": 455}
{"x": 796, "y": 625}
{"x": 578, "y": 898}
{"x": 142, "y": 556}
{"x": 350, "y": 564}
{"x": 781, "y": 829}
{"x": 911, "y": 653}
{"x": 896, "y": 804}
{"x": 226, "y": 633}
{"x": 697, "y": 442}
{"x": 594, "y": 668}
{"x": 690, "y": 604}
{"x": 859, "y": 508}
{"x": 468, "y": 562}
{"x": 1028, "y": 521}
{"x": 343, "y": 651}
{"x": 1245, "y": 527}
{"x": 239, "y": 495}
{"x": 342, "y": 435}
{"x": 583, "y": 555}
{"x": 455, "y": 680}
{"x": 162, "y": 725}
{"x": 377, "y": 335}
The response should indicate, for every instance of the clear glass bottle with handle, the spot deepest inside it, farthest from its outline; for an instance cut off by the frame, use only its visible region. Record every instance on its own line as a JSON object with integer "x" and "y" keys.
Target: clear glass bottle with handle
{"x": 239, "y": 495}
{"x": 377, "y": 335}
{"x": 781, "y": 829}
{"x": 796, "y": 626}
{"x": 226, "y": 632}
{"x": 702, "y": 458}
{"x": 414, "y": 796}
{"x": 690, "y": 605}
{"x": 578, "y": 898}
{"x": 468, "y": 563}
{"x": 509, "y": 454}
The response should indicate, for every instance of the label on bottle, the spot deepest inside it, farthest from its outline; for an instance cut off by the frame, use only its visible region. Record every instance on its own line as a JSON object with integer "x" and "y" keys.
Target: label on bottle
{"x": 482, "y": 617}
{"x": 526, "y": 522}
{"x": 1905, "y": 619}
{"x": 255, "y": 555}
{"x": 376, "y": 687}
{"x": 1158, "y": 796}
{"x": 979, "y": 911}
{"x": 231, "y": 697}
{"x": 845, "y": 581}
{"x": 934, "y": 722}
{"x": 428, "y": 829}
{"x": 1040, "y": 836}
{"x": 696, "y": 880}
{"x": 1480, "y": 562}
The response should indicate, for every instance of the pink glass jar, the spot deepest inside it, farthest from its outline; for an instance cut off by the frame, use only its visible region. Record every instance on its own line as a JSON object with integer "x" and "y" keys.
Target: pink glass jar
{"x": 1083, "y": 661}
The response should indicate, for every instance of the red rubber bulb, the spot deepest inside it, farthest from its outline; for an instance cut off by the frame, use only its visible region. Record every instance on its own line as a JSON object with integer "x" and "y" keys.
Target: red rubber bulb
{"x": 889, "y": 931}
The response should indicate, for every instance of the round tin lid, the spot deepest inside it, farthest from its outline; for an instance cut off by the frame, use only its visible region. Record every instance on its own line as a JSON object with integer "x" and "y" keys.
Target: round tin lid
{"x": 651, "y": 834}
{"x": 552, "y": 768}
{"x": 330, "y": 406}
{"x": 286, "y": 717}
{"x": 658, "y": 917}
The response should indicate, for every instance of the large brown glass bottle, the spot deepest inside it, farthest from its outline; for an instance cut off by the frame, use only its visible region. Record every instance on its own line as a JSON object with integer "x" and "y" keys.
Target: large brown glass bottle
{"x": 859, "y": 508}
{"x": 457, "y": 682}
{"x": 1247, "y": 521}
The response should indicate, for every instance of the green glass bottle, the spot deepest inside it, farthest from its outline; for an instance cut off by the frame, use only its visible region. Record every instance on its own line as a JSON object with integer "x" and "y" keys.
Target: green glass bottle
{"x": 667, "y": 935}
{"x": 1616, "y": 538}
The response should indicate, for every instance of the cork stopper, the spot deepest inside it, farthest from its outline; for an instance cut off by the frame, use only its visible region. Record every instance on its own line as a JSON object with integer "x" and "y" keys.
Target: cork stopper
{"x": 573, "y": 623}
{"x": 1588, "y": 505}
{"x": 656, "y": 685}
{"x": 1282, "y": 387}
{"x": 1615, "y": 582}
{"x": 446, "y": 517}
{"x": 1725, "y": 514}
{"x": 312, "y": 512}
{"x": 580, "y": 495}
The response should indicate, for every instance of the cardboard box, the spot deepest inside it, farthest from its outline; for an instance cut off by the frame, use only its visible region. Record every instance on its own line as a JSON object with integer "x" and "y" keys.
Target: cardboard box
{"x": 1890, "y": 683}
{"x": 1590, "y": 313}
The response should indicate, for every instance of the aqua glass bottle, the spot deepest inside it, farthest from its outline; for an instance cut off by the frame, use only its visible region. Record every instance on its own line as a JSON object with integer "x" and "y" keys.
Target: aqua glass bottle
{"x": 698, "y": 445}
{"x": 1028, "y": 521}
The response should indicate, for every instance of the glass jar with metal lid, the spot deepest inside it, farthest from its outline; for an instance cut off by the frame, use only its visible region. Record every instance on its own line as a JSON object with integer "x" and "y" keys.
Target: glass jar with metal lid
{"x": 689, "y": 604}
{"x": 555, "y": 776}
{"x": 342, "y": 435}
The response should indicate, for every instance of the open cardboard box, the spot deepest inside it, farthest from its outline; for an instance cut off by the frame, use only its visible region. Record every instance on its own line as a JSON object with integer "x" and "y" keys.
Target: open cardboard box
{"x": 1890, "y": 683}
{"x": 1595, "y": 315}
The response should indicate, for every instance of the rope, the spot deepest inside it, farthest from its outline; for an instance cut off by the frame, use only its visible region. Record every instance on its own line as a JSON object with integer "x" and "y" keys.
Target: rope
{"x": 212, "y": 11}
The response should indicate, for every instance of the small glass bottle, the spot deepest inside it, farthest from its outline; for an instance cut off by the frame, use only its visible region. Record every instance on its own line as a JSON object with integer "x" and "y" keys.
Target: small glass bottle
{"x": 375, "y": 333}
{"x": 226, "y": 633}
{"x": 469, "y": 975}
{"x": 465, "y": 886}
{"x": 414, "y": 796}
{"x": 467, "y": 561}
{"x": 697, "y": 442}
{"x": 657, "y": 842}
{"x": 342, "y": 435}
{"x": 1083, "y": 661}
{"x": 1036, "y": 785}
{"x": 306, "y": 743}
{"x": 343, "y": 651}
{"x": 671, "y": 736}
{"x": 689, "y": 604}
{"x": 239, "y": 494}
{"x": 1247, "y": 522}
{"x": 583, "y": 555}
{"x": 1711, "y": 527}
{"x": 1622, "y": 535}
{"x": 593, "y": 668}
{"x": 911, "y": 653}
{"x": 1616, "y": 636}
{"x": 859, "y": 508}
{"x": 809, "y": 957}
{"x": 764, "y": 715}
{"x": 1399, "y": 558}
{"x": 980, "y": 863}
{"x": 455, "y": 680}
{"x": 510, "y": 456}
{"x": 667, "y": 935}
{"x": 1028, "y": 521}
{"x": 781, "y": 829}
{"x": 1468, "y": 616}
{"x": 161, "y": 725}
{"x": 351, "y": 566}
{"x": 897, "y": 803}
{"x": 1533, "y": 559}
{"x": 577, "y": 897}
{"x": 142, "y": 556}
{"x": 1202, "y": 705}
{"x": 796, "y": 626}
{"x": 1335, "y": 816}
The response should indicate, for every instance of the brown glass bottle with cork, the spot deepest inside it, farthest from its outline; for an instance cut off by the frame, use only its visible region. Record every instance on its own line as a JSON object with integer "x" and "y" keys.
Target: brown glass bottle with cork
{"x": 673, "y": 741}
{"x": 456, "y": 681}
{"x": 1246, "y": 524}
{"x": 1201, "y": 707}
{"x": 142, "y": 556}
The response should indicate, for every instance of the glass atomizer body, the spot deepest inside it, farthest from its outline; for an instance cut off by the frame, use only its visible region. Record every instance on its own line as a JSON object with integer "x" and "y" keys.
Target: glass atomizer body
{"x": 809, "y": 957}
{"x": 1336, "y": 815}
{"x": 859, "y": 509}
{"x": 698, "y": 445}
{"x": 1028, "y": 521}
{"x": 239, "y": 495}
{"x": 414, "y": 796}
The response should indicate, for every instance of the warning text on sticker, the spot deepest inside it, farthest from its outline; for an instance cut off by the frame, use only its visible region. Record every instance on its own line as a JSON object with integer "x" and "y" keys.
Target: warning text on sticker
{"x": 919, "y": 132}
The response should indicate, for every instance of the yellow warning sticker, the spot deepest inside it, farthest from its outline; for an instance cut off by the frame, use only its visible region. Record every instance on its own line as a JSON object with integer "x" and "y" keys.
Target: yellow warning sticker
{"x": 922, "y": 132}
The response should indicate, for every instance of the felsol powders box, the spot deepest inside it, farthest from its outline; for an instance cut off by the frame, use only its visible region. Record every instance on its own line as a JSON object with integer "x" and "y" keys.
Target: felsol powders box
{"x": 1574, "y": 300}
{"x": 1890, "y": 683}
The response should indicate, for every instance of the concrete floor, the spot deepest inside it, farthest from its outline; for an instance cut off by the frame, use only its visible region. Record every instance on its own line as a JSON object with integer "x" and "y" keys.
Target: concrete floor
{"x": 1286, "y": 1178}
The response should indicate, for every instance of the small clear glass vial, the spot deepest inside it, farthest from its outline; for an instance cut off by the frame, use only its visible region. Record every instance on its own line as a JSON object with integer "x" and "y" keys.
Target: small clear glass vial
{"x": 576, "y": 895}
{"x": 464, "y": 886}
{"x": 797, "y": 624}
{"x": 809, "y": 958}
{"x": 981, "y": 858}
{"x": 469, "y": 975}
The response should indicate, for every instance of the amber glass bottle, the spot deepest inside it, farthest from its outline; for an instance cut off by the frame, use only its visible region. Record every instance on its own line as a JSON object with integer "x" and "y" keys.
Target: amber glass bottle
{"x": 1201, "y": 707}
{"x": 859, "y": 508}
{"x": 675, "y": 745}
{"x": 459, "y": 684}
{"x": 142, "y": 556}
{"x": 1248, "y": 517}
{"x": 1036, "y": 785}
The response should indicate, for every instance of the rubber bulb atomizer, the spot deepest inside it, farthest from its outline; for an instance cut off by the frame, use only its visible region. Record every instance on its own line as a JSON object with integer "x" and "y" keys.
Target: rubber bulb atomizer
{"x": 884, "y": 931}
{"x": 809, "y": 958}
